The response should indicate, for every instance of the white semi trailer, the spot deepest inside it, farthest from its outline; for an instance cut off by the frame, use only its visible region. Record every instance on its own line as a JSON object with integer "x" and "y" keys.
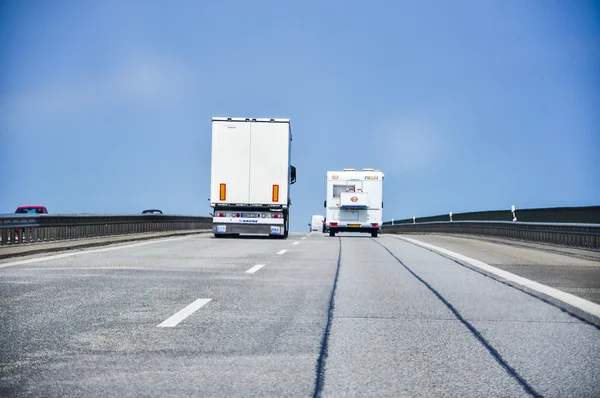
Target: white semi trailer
{"x": 251, "y": 176}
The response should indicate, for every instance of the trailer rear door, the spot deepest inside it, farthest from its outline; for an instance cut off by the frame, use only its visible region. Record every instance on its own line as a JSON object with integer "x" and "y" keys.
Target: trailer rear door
{"x": 269, "y": 163}
{"x": 230, "y": 177}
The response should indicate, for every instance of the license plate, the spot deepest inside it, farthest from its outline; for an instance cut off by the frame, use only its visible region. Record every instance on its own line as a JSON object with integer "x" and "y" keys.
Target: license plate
{"x": 354, "y": 225}
{"x": 221, "y": 228}
{"x": 275, "y": 230}
{"x": 250, "y": 215}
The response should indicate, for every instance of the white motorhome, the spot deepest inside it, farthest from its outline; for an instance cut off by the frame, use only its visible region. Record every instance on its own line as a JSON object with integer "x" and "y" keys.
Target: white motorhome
{"x": 316, "y": 223}
{"x": 354, "y": 201}
{"x": 251, "y": 176}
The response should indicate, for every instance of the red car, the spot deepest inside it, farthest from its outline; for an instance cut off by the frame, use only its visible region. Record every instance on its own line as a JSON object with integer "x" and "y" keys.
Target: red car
{"x": 31, "y": 210}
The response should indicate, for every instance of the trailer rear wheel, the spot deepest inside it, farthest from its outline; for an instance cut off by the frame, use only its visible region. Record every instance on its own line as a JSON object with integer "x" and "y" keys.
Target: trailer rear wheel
{"x": 331, "y": 233}
{"x": 374, "y": 234}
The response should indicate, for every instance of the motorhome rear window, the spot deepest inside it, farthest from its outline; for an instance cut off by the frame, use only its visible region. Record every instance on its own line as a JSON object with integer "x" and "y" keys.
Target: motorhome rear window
{"x": 338, "y": 189}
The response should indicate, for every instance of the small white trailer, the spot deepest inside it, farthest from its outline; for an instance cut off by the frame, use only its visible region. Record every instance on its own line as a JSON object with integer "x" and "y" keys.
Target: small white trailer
{"x": 354, "y": 201}
{"x": 316, "y": 223}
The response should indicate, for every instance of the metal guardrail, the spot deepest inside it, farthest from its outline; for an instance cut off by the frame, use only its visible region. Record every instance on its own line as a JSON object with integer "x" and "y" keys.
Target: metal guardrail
{"x": 585, "y": 236}
{"x": 30, "y": 229}
{"x": 581, "y": 214}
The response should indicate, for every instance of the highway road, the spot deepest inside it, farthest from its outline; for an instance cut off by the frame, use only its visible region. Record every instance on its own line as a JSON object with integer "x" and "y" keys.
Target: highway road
{"x": 307, "y": 316}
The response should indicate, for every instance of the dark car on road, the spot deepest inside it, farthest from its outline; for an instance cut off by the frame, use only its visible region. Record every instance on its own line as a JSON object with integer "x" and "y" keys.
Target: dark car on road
{"x": 152, "y": 211}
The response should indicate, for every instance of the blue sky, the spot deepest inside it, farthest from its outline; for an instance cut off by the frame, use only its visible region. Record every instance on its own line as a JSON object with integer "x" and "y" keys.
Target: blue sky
{"x": 105, "y": 106}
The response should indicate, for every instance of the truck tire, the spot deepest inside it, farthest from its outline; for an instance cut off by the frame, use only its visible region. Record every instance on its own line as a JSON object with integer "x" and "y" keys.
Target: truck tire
{"x": 286, "y": 225}
{"x": 374, "y": 234}
{"x": 331, "y": 233}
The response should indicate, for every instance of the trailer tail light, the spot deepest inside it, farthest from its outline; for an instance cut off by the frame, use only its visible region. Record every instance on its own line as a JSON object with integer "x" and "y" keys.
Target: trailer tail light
{"x": 222, "y": 191}
{"x": 220, "y": 214}
{"x": 275, "y": 193}
{"x": 374, "y": 224}
{"x": 333, "y": 224}
{"x": 277, "y": 215}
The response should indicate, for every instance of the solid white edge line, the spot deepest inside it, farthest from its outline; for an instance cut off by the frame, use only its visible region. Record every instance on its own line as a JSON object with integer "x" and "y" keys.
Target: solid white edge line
{"x": 255, "y": 268}
{"x": 577, "y": 302}
{"x": 282, "y": 251}
{"x": 184, "y": 313}
{"x": 84, "y": 251}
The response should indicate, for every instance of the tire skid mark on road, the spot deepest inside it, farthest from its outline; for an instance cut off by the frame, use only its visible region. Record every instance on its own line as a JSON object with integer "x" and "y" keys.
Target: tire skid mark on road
{"x": 506, "y": 283}
{"x": 487, "y": 345}
{"x": 320, "y": 367}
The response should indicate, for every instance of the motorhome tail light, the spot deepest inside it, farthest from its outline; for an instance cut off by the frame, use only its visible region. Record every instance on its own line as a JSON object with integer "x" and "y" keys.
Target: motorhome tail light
{"x": 333, "y": 224}
{"x": 277, "y": 215}
{"x": 275, "y": 193}
{"x": 374, "y": 224}
{"x": 222, "y": 191}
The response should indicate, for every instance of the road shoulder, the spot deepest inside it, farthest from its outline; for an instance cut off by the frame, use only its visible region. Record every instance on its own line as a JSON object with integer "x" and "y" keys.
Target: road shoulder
{"x": 17, "y": 251}
{"x": 567, "y": 273}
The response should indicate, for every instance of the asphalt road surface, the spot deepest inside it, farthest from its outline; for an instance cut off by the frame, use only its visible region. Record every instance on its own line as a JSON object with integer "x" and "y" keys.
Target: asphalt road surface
{"x": 307, "y": 316}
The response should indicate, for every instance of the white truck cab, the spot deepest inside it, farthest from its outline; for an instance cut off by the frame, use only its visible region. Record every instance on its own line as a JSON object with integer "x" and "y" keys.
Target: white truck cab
{"x": 354, "y": 201}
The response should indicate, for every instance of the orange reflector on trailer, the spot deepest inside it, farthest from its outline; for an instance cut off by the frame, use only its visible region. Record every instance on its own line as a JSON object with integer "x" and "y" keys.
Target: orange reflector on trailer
{"x": 222, "y": 191}
{"x": 275, "y": 193}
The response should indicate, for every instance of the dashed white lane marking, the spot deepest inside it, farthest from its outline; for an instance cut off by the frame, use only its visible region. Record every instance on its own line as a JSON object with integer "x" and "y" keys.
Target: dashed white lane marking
{"x": 577, "y": 302}
{"x": 282, "y": 251}
{"x": 255, "y": 268}
{"x": 295, "y": 243}
{"x": 106, "y": 249}
{"x": 184, "y": 313}
{"x": 304, "y": 237}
